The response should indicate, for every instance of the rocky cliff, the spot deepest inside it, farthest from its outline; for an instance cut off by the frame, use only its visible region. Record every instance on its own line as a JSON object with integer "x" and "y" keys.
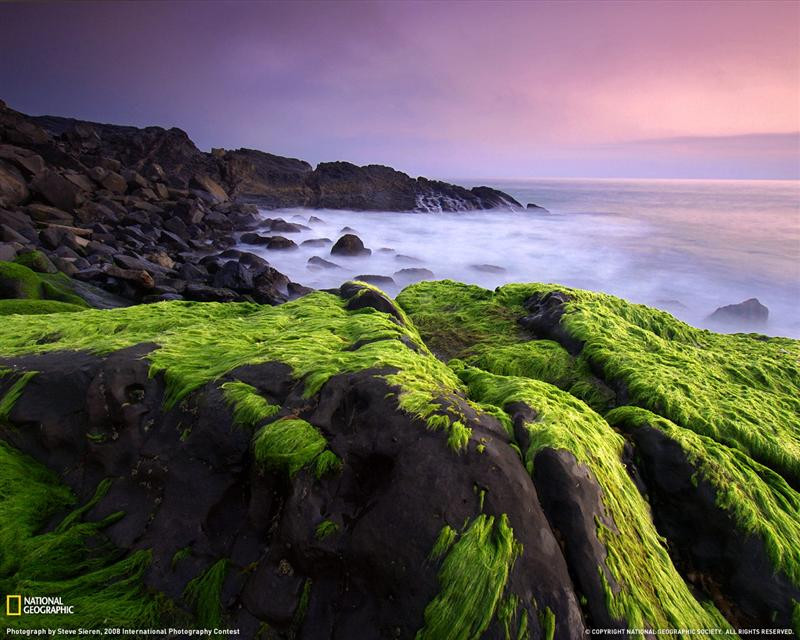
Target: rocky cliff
{"x": 247, "y": 175}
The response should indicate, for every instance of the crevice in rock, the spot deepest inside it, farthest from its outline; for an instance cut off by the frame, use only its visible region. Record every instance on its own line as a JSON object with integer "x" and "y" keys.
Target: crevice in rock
{"x": 710, "y": 551}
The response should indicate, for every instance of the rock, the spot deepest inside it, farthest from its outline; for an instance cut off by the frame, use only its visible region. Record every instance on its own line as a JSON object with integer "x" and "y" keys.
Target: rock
{"x": 79, "y": 180}
{"x": 281, "y": 226}
{"x": 536, "y": 207}
{"x": 377, "y": 280}
{"x": 25, "y": 160}
{"x": 13, "y": 189}
{"x": 298, "y": 290}
{"x": 162, "y": 259}
{"x": 321, "y": 262}
{"x": 487, "y": 268}
{"x": 57, "y": 190}
{"x": 349, "y": 245}
{"x": 748, "y": 313}
{"x": 359, "y": 297}
{"x": 400, "y": 257}
{"x": 254, "y": 238}
{"x": 414, "y": 274}
{"x": 348, "y": 230}
{"x": 234, "y": 276}
{"x": 207, "y": 185}
{"x": 43, "y": 213}
{"x": 279, "y": 242}
{"x": 36, "y": 261}
{"x": 8, "y": 251}
{"x": 138, "y": 277}
{"x": 271, "y": 287}
{"x": 316, "y": 242}
{"x": 204, "y": 293}
{"x": 315, "y": 220}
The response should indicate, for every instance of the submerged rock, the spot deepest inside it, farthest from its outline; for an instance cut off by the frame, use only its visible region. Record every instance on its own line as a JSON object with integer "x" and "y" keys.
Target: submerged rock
{"x": 349, "y": 245}
{"x": 748, "y": 313}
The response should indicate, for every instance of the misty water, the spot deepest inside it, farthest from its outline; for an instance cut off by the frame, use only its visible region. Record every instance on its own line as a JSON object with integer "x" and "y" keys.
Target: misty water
{"x": 685, "y": 246}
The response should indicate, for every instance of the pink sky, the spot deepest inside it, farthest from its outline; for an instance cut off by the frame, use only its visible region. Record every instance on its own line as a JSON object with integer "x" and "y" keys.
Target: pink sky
{"x": 704, "y": 89}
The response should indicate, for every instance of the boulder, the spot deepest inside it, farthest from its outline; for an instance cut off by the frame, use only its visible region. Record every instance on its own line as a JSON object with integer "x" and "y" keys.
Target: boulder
{"x": 56, "y": 190}
{"x": 316, "y": 261}
{"x": 13, "y": 189}
{"x": 140, "y": 278}
{"x": 233, "y": 275}
{"x": 279, "y": 242}
{"x": 316, "y": 242}
{"x": 349, "y": 245}
{"x": 208, "y": 186}
{"x": 252, "y": 237}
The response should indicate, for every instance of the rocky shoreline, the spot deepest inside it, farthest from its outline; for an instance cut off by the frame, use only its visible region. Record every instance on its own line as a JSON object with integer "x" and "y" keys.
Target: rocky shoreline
{"x": 143, "y": 214}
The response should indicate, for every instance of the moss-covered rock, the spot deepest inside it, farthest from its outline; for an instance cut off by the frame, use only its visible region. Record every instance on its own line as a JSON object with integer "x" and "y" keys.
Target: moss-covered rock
{"x": 270, "y": 458}
{"x": 17, "y": 281}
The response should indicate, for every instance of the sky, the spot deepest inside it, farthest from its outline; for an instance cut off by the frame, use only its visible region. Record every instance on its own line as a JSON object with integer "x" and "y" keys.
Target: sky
{"x": 443, "y": 89}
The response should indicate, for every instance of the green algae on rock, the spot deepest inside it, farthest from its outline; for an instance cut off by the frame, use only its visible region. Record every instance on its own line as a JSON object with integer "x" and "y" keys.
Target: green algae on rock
{"x": 17, "y": 281}
{"x": 472, "y": 579}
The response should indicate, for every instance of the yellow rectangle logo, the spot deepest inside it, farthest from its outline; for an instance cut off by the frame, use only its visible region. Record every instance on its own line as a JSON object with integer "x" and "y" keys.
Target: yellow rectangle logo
{"x": 13, "y": 605}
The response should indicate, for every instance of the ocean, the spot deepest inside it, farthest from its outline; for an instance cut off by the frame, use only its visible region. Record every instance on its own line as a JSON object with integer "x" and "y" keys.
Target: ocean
{"x": 685, "y": 246}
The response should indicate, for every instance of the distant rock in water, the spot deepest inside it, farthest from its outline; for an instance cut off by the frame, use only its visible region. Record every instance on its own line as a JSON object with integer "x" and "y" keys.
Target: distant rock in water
{"x": 536, "y": 207}
{"x": 750, "y": 312}
{"x": 316, "y": 261}
{"x": 487, "y": 268}
{"x": 414, "y": 274}
{"x": 349, "y": 245}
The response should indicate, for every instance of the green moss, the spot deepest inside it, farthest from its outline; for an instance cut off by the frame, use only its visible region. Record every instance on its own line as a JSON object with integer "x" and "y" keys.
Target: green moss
{"x": 36, "y": 307}
{"x": 547, "y": 620}
{"x": 759, "y": 500}
{"x": 12, "y": 395}
{"x": 249, "y": 407}
{"x": 287, "y": 445}
{"x": 325, "y": 528}
{"x": 19, "y": 282}
{"x": 480, "y": 327}
{"x": 200, "y": 342}
{"x": 326, "y": 462}
{"x": 179, "y": 556}
{"x": 302, "y": 607}
{"x": 741, "y": 390}
{"x": 204, "y": 594}
{"x": 447, "y": 536}
{"x": 471, "y": 581}
{"x": 652, "y": 592}
{"x": 36, "y": 261}
{"x": 72, "y": 560}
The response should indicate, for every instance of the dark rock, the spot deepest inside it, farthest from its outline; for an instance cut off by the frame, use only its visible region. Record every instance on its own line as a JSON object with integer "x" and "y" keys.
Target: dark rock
{"x": 13, "y": 188}
{"x": 255, "y": 263}
{"x": 204, "y": 293}
{"x": 748, "y": 313}
{"x": 381, "y": 281}
{"x": 279, "y": 242}
{"x": 254, "y": 238}
{"x": 536, "y": 207}
{"x": 349, "y": 245}
{"x": 207, "y": 185}
{"x": 57, "y": 190}
{"x": 8, "y": 251}
{"x": 43, "y": 213}
{"x": 25, "y": 160}
{"x": 544, "y": 321}
{"x": 315, "y": 220}
{"x": 298, "y": 290}
{"x": 316, "y": 242}
{"x": 281, "y": 226}
{"x": 36, "y": 261}
{"x": 321, "y": 262}
{"x": 271, "y": 287}
{"x": 140, "y": 278}
{"x": 161, "y": 297}
{"x": 235, "y": 276}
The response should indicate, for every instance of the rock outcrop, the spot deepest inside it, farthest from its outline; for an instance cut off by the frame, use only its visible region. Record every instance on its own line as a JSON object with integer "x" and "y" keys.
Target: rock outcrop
{"x": 264, "y": 179}
{"x": 314, "y": 470}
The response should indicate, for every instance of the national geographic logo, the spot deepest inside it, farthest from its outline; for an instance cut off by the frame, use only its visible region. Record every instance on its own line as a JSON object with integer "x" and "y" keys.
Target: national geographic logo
{"x": 18, "y": 605}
